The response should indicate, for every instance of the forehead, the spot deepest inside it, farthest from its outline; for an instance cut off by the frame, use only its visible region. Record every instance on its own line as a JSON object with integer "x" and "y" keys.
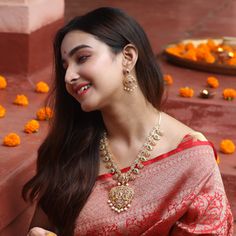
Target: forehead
{"x": 76, "y": 38}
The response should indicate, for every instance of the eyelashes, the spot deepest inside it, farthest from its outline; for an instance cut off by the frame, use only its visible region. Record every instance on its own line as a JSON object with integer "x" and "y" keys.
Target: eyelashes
{"x": 82, "y": 59}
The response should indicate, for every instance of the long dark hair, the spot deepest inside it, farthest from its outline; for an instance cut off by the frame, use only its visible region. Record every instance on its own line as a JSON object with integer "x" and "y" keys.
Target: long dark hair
{"x": 68, "y": 159}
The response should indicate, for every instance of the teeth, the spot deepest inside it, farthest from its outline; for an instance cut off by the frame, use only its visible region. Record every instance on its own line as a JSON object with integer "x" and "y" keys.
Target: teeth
{"x": 85, "y": 87}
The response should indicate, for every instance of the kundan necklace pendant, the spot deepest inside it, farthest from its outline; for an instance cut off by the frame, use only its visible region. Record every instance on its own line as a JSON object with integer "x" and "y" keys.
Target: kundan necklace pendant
{"x": 121, "y": 196}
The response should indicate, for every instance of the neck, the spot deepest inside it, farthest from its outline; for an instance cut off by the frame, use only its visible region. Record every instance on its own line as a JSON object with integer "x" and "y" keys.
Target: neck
{"x": 129, "y": 122}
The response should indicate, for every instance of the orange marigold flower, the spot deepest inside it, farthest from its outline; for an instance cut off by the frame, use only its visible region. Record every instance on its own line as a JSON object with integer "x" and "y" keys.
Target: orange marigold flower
{"x": 227, "y": 146}
{"x": 211, "y": 44}
{"x": 174, "y": 51}
{"x": 190, "y": 54}
{"x": 181, "y": 46}
{"x": 186, "y": 92}
{"x": 31, "y": 127}
{"x": 44, "y": 113}
{"x": 213, "y": 82}
{"x": 209, "y": 58}
{"x": 168, "y": 79}
{"x": 203, "y": 47}
{"x": 3, "y": 82}
{"x": 2, "y": 111}
{"x": 218, "y": 159}
{"x": 189, "y": 46}
{"x": 21, "y": 100}
{"x": 42, "y": 87}
{"x": 229, "y": 94}
{"x": 11, "y": 140}
{"x": 202, "y": 53}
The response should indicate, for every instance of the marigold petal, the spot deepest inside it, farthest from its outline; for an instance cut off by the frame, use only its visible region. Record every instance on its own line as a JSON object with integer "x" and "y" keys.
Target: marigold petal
{"x": 186, "y": 92}
{"x": 44, "y": 113}
{"x": 42, "y": 87}
{"x": 2, "y": 111}
{"x": 11, "y": 140}
{"x": 31, "y": 126}
{"x": 3, "y": 82}
{"x": 21, "y": 100}
{"x": 227, "y": 146}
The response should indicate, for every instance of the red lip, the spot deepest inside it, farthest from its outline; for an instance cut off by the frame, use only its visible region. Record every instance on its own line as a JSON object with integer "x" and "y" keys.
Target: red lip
{"x": 76, "y": 88}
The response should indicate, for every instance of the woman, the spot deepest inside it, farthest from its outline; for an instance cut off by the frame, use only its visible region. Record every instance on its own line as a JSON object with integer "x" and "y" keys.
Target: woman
{"x": 113, "y": 163}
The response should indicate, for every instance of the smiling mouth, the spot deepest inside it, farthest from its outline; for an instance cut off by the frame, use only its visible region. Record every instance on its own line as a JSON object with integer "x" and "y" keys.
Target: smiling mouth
{"x": 84, "y": 88}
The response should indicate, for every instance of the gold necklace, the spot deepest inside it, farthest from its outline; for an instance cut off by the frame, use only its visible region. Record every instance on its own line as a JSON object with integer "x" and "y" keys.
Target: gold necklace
{"x": 121, "y": 196}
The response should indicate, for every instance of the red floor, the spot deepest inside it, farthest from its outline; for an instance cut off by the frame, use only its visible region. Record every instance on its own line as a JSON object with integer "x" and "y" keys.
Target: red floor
{"x": 164, "y": 21}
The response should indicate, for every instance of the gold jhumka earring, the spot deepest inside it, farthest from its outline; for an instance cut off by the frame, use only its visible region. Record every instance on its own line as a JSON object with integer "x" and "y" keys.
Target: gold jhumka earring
{"x": 129, "y": 82}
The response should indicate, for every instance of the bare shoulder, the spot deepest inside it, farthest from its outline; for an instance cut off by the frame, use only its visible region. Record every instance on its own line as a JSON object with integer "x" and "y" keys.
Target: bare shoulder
{"x": 175, "y": 131}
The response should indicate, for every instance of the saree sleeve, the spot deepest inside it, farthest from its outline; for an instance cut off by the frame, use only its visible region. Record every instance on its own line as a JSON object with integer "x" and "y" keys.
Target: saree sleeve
{"x": 209, "y": 212}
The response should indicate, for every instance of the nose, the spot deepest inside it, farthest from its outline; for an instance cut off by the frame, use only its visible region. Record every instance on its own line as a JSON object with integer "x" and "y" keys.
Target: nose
{"x": 71, "y": 76}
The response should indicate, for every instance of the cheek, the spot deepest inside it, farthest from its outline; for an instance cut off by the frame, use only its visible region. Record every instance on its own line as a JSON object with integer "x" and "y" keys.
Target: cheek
{"x": 69, "y": 89}
{"x": 99, "y": 67}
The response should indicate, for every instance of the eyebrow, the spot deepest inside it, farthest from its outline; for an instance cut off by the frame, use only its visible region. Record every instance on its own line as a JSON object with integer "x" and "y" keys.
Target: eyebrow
{"x": 75, "y": 49}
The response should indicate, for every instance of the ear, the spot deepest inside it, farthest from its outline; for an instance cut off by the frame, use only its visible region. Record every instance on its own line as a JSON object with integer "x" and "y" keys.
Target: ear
{"x": 130, "y": 57}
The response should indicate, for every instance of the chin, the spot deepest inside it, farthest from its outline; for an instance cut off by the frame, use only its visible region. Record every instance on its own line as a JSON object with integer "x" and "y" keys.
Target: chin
{"x": 88, "y": 108}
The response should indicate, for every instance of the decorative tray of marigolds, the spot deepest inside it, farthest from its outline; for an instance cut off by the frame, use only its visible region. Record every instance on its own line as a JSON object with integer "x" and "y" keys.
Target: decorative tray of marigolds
{"x": 217, "y": 55}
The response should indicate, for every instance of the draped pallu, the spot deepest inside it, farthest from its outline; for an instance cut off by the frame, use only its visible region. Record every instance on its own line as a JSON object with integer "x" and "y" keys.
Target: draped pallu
{"x": 177, "y": 193}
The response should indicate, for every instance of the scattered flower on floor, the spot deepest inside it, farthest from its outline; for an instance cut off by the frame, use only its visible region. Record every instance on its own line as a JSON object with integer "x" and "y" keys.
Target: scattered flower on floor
{"x": 42, "y": 87}
{"x": 168, "y": 79}
{"x": 21, "y": 100}
{"x": 186, "y": 92}
{"x": 229, "y": 94}
{"x": 11, "y": 140}
{"x": 31, "y": 126}
{"x": 3, "y": 82}
{"x": 2, "y": 111}
{"x": 213, "y": 82}
{"x": 44, "y": 113}
{"x": 227, "y": 146}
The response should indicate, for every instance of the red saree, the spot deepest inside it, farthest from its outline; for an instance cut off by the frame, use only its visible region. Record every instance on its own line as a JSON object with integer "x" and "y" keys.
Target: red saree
{"x": 178, "y": 193}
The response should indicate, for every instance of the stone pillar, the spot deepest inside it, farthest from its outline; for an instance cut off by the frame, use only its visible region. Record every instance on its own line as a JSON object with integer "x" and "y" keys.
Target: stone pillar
{"x": 27, "y": 28}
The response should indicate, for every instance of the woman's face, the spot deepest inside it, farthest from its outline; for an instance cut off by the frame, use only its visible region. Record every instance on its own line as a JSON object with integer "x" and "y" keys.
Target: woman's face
{"x": 93, "y": 73}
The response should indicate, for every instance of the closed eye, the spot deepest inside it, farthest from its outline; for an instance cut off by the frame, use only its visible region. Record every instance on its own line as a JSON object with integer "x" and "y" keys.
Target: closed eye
{"x": 81, "y": 59}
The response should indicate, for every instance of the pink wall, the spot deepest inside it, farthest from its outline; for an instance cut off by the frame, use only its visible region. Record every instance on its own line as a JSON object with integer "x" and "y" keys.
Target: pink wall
{"x": 26, "y": 16}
